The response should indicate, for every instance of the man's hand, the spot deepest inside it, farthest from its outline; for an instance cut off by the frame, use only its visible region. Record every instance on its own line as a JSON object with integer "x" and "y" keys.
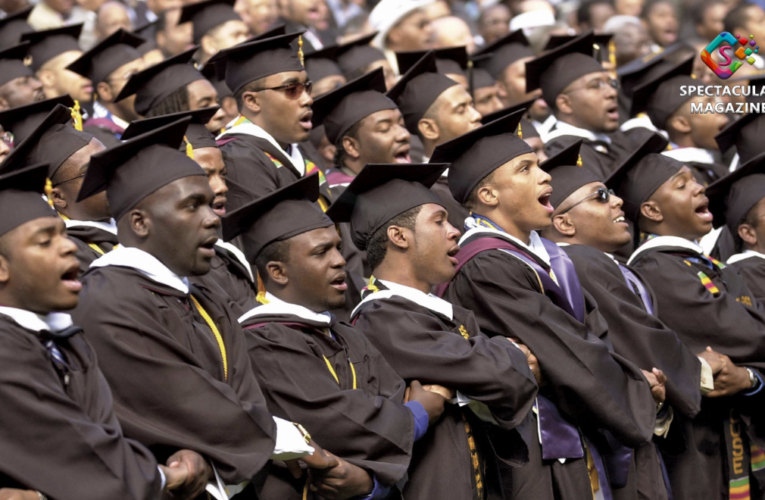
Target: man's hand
{"x": 11, "y": 494}
{"x": 199, "y": 473}
{"x": 432, "y": 402}
{"x": 318, "y": 460}
{"x": 530, "y": 359}
{"x": 343, "y": 481}
{"x": 657, "y": 381}
{"x": 730, "y": 380}
{"x": 446, "y": 393}
{"x": 715, "y": 361}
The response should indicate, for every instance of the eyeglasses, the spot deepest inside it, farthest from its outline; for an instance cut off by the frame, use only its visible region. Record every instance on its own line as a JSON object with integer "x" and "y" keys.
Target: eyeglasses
{"x": 293, "y": 90}
{"x": 68, "y": 180}
{"x": 7, "y": 137}
{"x": 602, "y": 195}
{"x": 599, "y": 85}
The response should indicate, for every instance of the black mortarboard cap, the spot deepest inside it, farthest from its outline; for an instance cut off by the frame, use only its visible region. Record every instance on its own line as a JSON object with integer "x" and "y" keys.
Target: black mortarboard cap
{"x": 450, "y": 60}
{"x": 21, "y": 189}
{"x": 418, "y": 89}
{"x": 641, "y": 174}
{"x": 156, "y": 82}
{"x": 136, "y": 168}
{"x": 478, "y": 153}
{"x": 660, "y": 96}
{"x": 12, "y": 63}
{"x": 215, "y": 72}
{"x": 479, "y": 75}
{"x": 526, "y": 129}
{"x": 352, "y": 57}
{"x": 258, "y": 59}
{"x": 13, "y": 26}
{"x": 566, "y": 175}
{"x": 197, "y": 135}
{"x": 381, "y": 192}
{"x": 746, "y": 134}
{"x": 118, "y": 49}
{"x": 342, "y": 108}
{"x": 45, "y": 45}
{"x": 732, "y": 197}
{"x": 278, "y": 216}
{"x": 23, "y": 120}
{"x": 322, "y": 63}
{"x": 149, "y": 33}
{"x": 208, "y": 15}
{"x": 504, "y": 52}
{"x": 599, "y": 47}
{"x": 643, "y": 69}
{"x": 553, "y": 71}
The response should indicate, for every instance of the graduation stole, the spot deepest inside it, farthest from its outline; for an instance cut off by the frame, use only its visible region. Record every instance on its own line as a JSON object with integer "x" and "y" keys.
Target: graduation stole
{"x": 216, "y": 333}
{"x": 93, "y": 246}
{"x": 741, "y": 458}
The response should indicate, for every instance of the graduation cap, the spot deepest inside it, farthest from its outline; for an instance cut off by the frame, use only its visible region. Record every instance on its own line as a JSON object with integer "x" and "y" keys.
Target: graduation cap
{"x": 196, "y": 136}
{"x": 13, "y": 26}
{"x": 208, "y": 15}
{"x": 53, "y": 141}
{"x": 418, "y": 89}
{"x": 278, "y": 216}
{"x": 342, "y": 108}
{"x": 504, "y": 52}
{"x": 660, "y": 96}
{"x": 642, "y": 173}
{"x": 478, "y": 153}
{"x": 352, "y": 57}
{"x": 382, "y": 191}
{"x": 567, "y": 173}
{"x": 45, "y": 45}
{"x": 553, "y": 71}
{"x": 746, "y": 134}
{"x": 643, "y": 69}
{"x": 23, "y": 120}
{"x": 258, "y": 59}
{"x": 526, "y": 129}
{"x": 21, "y": 190}
{"x": 12, "y": 63}
{"x": 156, "y": 82}
{"x": 148, "y": 32}
{"x": 322, "y": 63}
{"x": 116, "y": 50}
{"x": 136, "y": 168}
{"x": 449, "y": 61}
{"x": 732, "y": 197}
{"x": 479, "y": 76}
{"x": 215, "y": 72}
{"x": 601, "y": 48}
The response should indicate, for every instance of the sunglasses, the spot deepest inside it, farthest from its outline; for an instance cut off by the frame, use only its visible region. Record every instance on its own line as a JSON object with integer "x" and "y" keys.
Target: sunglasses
{"x": 602, "y": 195}
{"x": 293, "y": 90}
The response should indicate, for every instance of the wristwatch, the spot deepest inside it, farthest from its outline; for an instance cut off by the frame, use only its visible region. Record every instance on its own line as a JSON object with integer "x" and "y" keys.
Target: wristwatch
{"x": 304, "y": 432}
{"x": 752, "y": 377}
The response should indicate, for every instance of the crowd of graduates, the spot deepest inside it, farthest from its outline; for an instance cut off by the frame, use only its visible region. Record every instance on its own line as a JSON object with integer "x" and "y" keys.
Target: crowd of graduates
{"x": 417, "y": 249}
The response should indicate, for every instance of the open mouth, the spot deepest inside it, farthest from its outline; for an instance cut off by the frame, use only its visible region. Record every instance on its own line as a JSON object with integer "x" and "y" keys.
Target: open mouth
{"x": 207, "y": 248}
{"x": 70, "y": 278}
{"x": 219, "y": 206}
{"x": 452, "y": 254}
{"x": 544, "y": 200}
{"x": 613, "y": 112}
{"x": 305, "y": 121}
{"x": 703, "y": 211}
{"x": 620, "y": 220}
{"x": 338, "y": 282}
{"x": 402, "y": 156}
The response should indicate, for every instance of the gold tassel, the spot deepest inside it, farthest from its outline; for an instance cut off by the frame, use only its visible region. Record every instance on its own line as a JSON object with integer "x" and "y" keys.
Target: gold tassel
{"x": 612, "y": 57}
{"x": 261, "y": 297}
{"x": 76, "y": 115}
{"x": 520, "y": 132}
{"x": 189, "y": 148}
{"x": 300, "y": 50}
{"x": 49, "y": 191}
{"x": 579, "y": 161}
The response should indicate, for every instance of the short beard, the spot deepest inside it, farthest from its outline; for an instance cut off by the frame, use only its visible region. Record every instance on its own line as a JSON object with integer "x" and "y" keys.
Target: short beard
{"x": 330, "y": 305}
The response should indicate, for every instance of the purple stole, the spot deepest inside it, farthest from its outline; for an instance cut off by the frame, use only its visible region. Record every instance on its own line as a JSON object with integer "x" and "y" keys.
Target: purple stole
{"x": 336, "y": 176}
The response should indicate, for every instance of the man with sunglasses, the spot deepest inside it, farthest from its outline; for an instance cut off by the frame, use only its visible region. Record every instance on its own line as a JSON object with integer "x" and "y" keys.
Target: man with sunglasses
{"x": 589, "y": 224}
{"x": 109, "y": 65}
{"x": 582, "y": 96}
{"x": 262, "y": 148}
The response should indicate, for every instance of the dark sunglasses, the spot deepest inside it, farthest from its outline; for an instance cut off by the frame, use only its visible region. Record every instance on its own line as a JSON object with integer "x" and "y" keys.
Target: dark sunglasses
{"x": 602, "y": 195}
{"x": 293, "y": 90}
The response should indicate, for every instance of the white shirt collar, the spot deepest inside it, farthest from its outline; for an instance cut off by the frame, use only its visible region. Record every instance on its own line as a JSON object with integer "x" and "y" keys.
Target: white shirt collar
{"x": 238, "y": 254}
{"x": 100, "y": 111}
{"x": 563, "y": 128}
{"x": 696, "y": 155}
{"x": 52, "y": 322}
{"x": 544, "y": 127}
{"x": 249, "y": 128}
{"x": 110, "y": 227}
{"x": 535, "y": 246}
{"x": 427, "y": 301}
{"x": 145, "y": 263}
{"x": 662, "y": 241}
{"x": 277, "y": 306}
{"x": 744, "y": 255}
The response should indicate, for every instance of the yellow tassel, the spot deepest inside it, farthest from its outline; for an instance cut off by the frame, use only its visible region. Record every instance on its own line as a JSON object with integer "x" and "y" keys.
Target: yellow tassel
{"x": 77, "y": 116}
{"x": 579, "y": 161}
{"x": 49, "y": 191}
{"x": 189, "y": 148}
{"x": 612, "y": 57}
{"x": 520, "y": 132}
{"x": 300, "y": 50}
{"x": 261, "y": 297}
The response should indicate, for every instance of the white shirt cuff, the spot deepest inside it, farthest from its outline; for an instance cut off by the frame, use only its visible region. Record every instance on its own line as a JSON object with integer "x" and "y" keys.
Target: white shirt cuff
{"x": 707, "y": 378}
{"x": 290, "y": 443}
{"x": 661, "y": 428}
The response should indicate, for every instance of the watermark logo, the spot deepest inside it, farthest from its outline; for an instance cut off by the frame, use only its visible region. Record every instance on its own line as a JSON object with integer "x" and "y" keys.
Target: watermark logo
{"x": 740, "y": 46}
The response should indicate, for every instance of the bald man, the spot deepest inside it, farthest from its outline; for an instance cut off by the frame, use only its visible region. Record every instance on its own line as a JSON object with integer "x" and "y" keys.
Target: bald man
{"x": 451, "y": 31}
{"x": 110, "y": 18}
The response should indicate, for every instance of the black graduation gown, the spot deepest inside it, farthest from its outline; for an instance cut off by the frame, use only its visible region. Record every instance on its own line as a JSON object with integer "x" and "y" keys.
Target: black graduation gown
{"x": 752, "y": 270}
{"x": 731, "y": 322}
{"x": 369, "y": 426}
{"x": 430, "y": 347}
{"x": 64, "y": 439}
{"x": 600, "y": 157}
{"x": 233, "y": 280}
{"x": 593, "y": 386}
{"x": 164, "y": 365}
{"x": 88, "y": 237}
{"x": 457, "y": 213}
